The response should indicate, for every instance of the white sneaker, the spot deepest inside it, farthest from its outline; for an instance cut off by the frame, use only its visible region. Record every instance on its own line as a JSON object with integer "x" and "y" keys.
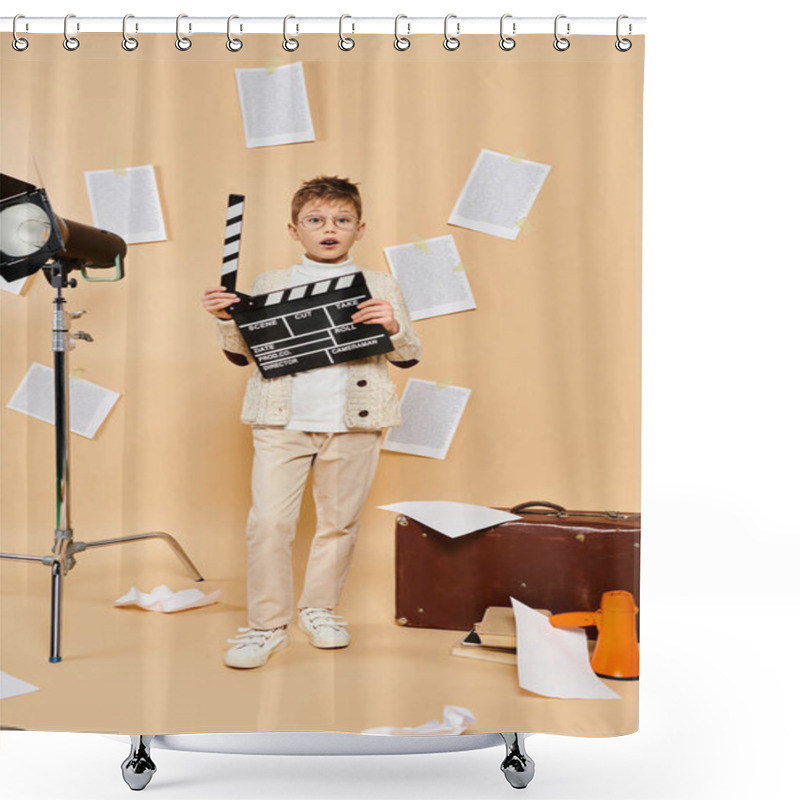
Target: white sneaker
{"x": 323, "y": 627}
{"x": 252, "y": 647}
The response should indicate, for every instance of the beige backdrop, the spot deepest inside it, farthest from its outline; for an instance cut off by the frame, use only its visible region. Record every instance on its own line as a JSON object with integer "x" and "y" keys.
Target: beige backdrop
{"x": 551, "y": 354}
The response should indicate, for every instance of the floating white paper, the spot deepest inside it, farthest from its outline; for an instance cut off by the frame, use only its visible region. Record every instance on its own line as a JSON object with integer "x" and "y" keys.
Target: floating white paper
{"x": 554, "y": 661}
{"x": 432, "y": 277}
{"x": 11, "y": 686}
{"x": 274, "y": 105}
{"x": 451, "y": 519}
{"x": 126, "y": 202}
{"x": 430, "y": 415}
{"x": 13, "y": 287}
{"x": 498, "y": 194}
{"x": 89, "y": 404}
{"x": 163, "y": 599}
{"x": 455, "y": 720}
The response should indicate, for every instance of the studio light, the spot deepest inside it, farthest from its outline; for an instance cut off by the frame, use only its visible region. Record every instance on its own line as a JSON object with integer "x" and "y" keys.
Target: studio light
{"x": 31, "y": 235}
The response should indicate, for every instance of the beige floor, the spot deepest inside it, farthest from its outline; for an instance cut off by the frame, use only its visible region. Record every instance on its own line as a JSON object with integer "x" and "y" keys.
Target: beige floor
{"x": 133, "y": 671}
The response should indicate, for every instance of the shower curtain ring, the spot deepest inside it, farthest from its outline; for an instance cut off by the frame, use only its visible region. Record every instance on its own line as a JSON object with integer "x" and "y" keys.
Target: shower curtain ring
{"x": 234, "y": 45}
{"x": 182, "y": 42}
{"x": 506, "y": 42}
{"x": 400, "y": 42}
{"x": 128, "y": 42}
{"x": 451, "y": 42}
{"x": 623, "y": 45}
{"x": 346, "y": 43}
{"x": 18, "y": 43}
{"x": 288, "y": 43}
{"x": 561, "y": 43}
{"x": 70, "y": 42}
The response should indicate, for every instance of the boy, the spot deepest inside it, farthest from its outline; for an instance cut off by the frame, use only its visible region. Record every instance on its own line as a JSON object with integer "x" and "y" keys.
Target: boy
{"x": 331, "y": 417}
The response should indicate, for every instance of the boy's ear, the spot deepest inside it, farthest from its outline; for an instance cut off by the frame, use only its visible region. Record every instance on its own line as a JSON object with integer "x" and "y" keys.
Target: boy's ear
{"x": 293, "y": 231}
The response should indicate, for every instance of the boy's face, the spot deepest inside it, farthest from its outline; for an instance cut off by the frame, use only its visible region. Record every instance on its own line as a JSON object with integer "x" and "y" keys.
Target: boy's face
{"x": 327, "y": 229}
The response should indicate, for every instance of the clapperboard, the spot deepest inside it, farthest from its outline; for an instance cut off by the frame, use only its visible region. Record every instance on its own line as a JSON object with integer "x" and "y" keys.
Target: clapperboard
{"x": 302, "y": 327}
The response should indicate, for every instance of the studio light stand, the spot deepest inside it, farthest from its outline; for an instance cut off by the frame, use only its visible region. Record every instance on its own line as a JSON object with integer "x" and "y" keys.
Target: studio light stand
{"x": 64, "y": 547}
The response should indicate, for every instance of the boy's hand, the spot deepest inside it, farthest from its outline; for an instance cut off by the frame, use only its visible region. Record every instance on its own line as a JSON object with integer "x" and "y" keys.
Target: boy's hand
{"x": 376, "y": 311}
{"x": 216, "y": 299}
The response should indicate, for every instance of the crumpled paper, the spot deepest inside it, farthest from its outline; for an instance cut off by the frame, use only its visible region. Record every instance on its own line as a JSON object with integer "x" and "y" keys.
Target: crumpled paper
{"x": 163, "y": 599}
{"x": 455, "y": 720}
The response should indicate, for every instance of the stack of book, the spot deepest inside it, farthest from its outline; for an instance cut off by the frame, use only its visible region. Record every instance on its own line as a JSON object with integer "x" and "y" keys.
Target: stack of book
{"x": 494, "y": 638}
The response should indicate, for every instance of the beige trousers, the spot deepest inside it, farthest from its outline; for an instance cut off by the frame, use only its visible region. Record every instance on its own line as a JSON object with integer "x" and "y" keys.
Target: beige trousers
{"x": 344, "y": 465}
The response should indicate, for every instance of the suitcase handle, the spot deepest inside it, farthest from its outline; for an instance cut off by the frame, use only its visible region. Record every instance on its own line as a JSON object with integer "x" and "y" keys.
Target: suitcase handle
{"x": 561, "y": 511}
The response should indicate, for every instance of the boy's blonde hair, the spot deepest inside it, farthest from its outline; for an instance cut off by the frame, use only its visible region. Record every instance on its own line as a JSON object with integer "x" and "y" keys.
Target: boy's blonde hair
{"x": 326, "y": 187}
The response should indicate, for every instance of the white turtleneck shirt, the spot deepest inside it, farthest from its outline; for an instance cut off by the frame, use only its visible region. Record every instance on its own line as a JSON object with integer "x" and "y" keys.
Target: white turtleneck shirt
{"x": 318, "y": 395}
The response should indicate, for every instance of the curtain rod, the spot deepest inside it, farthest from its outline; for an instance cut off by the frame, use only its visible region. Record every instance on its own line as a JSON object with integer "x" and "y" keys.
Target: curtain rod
{"x": 457, "y": 26}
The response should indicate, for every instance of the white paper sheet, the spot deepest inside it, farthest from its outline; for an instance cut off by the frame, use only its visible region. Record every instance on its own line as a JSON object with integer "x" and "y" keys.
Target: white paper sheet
{"x": 13, "y": 287}
{"x": 163, "y": 599}
{"x": 11, "y": 686}
{"x": 554, "y": 661}
{"x": 432, "y": 277}
{"x": 451, "y": 519}
{"x": 274, "y": 105}
{"x": 498, "y": 194}
{"x": 125, "y": 201}
{"x": 89, "y": 404}
{"x": 455, "y": 720}
{"x": 430, "y": 414}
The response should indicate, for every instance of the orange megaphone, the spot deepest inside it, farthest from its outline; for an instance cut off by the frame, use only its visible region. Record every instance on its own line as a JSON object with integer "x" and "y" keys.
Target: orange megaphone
{"x": 617, "y": 652}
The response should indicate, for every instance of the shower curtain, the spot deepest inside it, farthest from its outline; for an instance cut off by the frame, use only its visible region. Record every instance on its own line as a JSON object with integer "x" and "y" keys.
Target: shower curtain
{"x": 487, "y": 568}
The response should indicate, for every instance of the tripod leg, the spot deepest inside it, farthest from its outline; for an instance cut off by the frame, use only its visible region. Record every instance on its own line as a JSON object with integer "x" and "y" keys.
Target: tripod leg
{"x": 518, "y": 767}
{"x": 138, "y": 768}
{"x": 13, "y": 557}
{"x": 56, "y": 598}
{"x": 169, "y": 539}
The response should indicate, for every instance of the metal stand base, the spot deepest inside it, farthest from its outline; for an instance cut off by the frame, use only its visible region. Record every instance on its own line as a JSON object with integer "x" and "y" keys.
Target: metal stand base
{"x": 517, "y": 766}
{"x": 138, "y": 768}
{"x": 64, "y": 560}
{"x": 64, "y": 548}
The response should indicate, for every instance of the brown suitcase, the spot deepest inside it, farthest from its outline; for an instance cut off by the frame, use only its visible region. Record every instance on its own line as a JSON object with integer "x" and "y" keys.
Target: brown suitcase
{"x": 551, "y": 559}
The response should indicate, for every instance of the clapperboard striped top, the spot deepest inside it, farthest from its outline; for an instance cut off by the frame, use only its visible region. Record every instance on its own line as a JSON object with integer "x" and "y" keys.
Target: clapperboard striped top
{"x": 233, "y": 240}
{"x": 304, "y": 291}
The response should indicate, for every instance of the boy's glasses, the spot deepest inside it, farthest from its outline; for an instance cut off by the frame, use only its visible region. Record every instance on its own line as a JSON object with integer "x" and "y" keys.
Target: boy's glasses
{"x": 314, "y": 222}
